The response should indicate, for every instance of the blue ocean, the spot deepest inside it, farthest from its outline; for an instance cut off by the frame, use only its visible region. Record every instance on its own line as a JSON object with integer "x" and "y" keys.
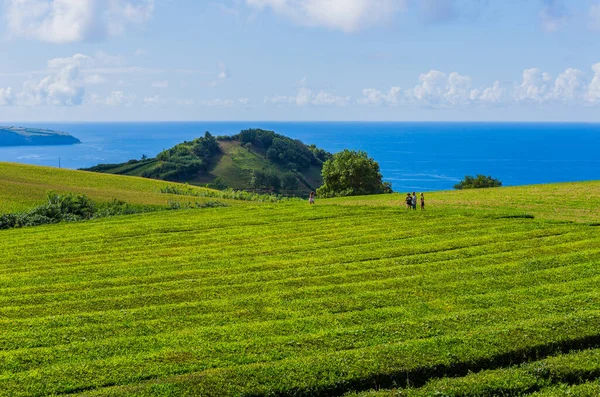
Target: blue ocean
{"x": 413, "y": 156}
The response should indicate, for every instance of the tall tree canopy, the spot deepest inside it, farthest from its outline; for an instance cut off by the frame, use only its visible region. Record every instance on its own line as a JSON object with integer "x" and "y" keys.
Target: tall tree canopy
{"x": 352, "y": 173}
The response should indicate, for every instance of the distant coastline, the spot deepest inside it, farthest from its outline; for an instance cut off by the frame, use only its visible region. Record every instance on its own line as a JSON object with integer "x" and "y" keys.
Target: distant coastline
{"x": 22, "y": 136}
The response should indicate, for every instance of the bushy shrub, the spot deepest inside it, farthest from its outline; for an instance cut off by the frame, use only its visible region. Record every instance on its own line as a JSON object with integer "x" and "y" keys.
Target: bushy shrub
{"x": 67, "y": 208}
{"x": 477, "y": 182}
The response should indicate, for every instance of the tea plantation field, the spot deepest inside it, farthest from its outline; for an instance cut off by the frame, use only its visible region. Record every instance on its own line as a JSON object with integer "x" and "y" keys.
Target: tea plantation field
{"x": 350, "y": 297}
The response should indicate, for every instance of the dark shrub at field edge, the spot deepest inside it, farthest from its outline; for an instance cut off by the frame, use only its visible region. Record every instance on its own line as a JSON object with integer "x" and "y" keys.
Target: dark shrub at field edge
{"x": 67, "y": 208}
{"x": 477, "y": 182}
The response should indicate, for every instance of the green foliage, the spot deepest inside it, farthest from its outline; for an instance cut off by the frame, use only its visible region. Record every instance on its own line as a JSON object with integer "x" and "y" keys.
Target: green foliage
{"x": 67, "y": 208}
{"x": 186, "y": 160}
{"x": 320, "y": 154}
{"x": 290, "y": 153}
{"x": 477, "y": 182}
{"x": 265, "y": 180}
{"x": 226, "y": 194}
{"x": 218, "y": 184}
{"x": 177, "y": 205}
{"x": 351, "y": 173}
{"x": 289, "y": 181}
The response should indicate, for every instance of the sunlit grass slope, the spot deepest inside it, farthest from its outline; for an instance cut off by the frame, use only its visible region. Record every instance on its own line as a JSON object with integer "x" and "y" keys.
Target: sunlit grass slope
{"x": 291, "y": 299}
{"x": 578, "y": 202}
{"x": 25, "y": 186}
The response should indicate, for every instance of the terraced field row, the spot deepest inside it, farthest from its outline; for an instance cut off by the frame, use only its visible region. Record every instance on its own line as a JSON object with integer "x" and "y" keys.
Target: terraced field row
{"x": 289, "y": 299}
{"x": 574, "y": 374}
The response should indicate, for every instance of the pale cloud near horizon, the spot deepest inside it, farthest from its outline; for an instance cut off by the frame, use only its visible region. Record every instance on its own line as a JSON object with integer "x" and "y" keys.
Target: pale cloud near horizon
{"x": 6, "y": 96}
{"x": 305, "y": 96}
{"x": 69, "y": 21}
{"x": 67, "y": 80}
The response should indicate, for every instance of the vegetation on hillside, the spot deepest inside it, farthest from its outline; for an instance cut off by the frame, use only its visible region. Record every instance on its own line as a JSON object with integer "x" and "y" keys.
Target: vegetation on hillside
{"x": 253, "y": 159}
{"x": 352, "y": 173}
{"x": 477, "y": 182}
{"x": 23, "y": 187}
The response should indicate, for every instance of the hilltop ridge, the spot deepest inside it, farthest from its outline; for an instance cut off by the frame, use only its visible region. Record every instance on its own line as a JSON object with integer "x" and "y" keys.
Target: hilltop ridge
{"x": 253, "y": 160}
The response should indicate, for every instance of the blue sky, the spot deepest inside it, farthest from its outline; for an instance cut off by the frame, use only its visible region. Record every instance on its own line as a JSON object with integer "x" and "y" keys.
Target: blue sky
{"x": 115, "y": 60}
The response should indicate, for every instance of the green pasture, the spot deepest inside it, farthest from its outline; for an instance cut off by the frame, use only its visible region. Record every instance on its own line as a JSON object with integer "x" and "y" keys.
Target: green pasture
{"x": 356, "y": 297}
{"x": 24, "y": 186}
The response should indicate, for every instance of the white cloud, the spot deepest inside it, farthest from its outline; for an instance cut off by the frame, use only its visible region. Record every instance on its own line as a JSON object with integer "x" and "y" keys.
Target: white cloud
{"x": 494, "y": 94}
{"x": 458, "y": 89}
{"x": 6, "y": 96}
{"x": 305, "y": 96}
{"x": 64, "y": 86}
{"x": 160, "y": 84}
{"x": 67, "y": 21}
{"x": 326, "y": 98}
{"x": 344, "y": 15}
{"x": 593, "y": 94}
{"x": 374, "y": 97}
{"x": 535, "y": 87}
{"x": 569, "y": 85}
{"x": 432, "y": 89}
{"x": 595, "y": 16}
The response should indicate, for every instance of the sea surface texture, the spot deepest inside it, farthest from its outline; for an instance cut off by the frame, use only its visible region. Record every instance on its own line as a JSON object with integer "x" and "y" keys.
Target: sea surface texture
{"x": 413, "y": 156}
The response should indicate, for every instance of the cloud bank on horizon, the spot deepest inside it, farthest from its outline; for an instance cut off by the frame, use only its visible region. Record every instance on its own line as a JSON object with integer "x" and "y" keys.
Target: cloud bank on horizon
{"x": 90, "y": 71}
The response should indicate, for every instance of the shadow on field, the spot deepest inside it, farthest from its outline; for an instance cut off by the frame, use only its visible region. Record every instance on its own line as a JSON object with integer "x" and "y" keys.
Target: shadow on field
{"x": 419, "y": 377}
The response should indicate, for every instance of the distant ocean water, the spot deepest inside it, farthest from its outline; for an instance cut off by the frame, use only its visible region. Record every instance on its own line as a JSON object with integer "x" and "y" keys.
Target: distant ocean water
{"x": 413, "y": 156}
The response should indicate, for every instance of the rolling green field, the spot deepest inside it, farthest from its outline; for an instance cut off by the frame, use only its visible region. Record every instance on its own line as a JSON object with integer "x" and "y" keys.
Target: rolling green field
{"x": 24, "y": 186}
{"x": 486, "y": 293}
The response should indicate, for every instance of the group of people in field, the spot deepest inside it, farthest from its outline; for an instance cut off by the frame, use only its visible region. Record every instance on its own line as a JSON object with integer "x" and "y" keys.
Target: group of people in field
{"x": 411, "y": 201}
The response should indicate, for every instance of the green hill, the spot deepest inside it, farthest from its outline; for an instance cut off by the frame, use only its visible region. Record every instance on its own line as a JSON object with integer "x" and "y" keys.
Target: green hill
{"x": 485, "y": 293}
{"x": 255, "y": 160}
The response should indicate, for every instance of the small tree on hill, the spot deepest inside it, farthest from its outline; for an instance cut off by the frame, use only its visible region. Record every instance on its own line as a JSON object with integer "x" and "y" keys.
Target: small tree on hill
{"x": 477, "y": 182}
{"x": 351, "y": 173}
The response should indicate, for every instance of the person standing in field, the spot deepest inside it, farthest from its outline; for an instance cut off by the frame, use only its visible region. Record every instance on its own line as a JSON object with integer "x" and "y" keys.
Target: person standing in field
{"x": 311, "y": 198}
{"x": 408, "y": 201}
{"x": 414, "y": 201}
{"x": 422, "y": 201}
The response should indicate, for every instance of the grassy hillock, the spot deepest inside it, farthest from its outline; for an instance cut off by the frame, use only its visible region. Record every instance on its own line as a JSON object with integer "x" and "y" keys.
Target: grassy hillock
{"x": 475, "y": 296}
{"x": 254, "y": 159}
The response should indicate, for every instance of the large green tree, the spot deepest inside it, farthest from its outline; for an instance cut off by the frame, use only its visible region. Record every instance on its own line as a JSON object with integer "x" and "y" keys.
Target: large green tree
{"x": 352, "y": 173}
